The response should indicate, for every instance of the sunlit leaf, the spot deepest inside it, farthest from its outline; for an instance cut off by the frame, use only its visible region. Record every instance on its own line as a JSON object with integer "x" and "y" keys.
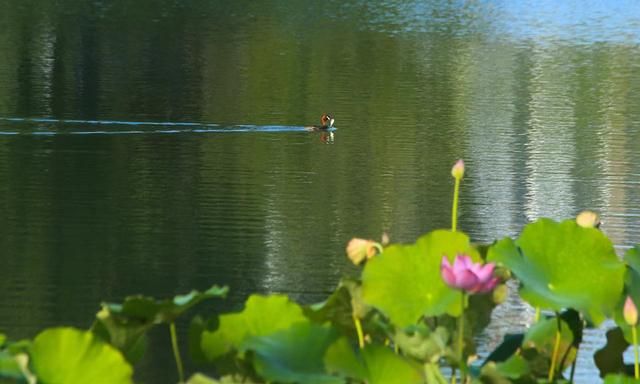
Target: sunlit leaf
{"x": 293, "y": 355}
{"x": 10, "y": 370}
{"x": 261, "y": 316}
{"x": 620, "y": 379}
{"x": 404, "y": 281}
{"x": 71, "y": 356}
{"x": 563, "y": 265}
{"x": 199, "y": 378}
{"x": 374, "y": 364}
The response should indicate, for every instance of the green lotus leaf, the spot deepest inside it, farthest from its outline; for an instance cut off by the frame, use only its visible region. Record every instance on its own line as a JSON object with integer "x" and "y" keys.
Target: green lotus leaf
{"x": 3, "y": 339}
{"x": 632, "y": 288}
{"x": 422, "y": 343}
{"x": 293, "y": 355}
{"x": 72, "y": 356}
{"x": 338, "y": 309}
{"x": 513, "y": 368}
{"x": 563, "y": 265}
{"x": 10, "y": 369}
{"x": 148, "y": 309}
{"x": 374, "y": 364}
{"x": 261, "y": 316}
{"x": 620, "y": 379}
{"x": 125, "y": 325}
{"x": 538, "y": 345}
{"x": 404, "y": 281}
{"x": 199, "y": 378}
{"x": 610, "y": 359}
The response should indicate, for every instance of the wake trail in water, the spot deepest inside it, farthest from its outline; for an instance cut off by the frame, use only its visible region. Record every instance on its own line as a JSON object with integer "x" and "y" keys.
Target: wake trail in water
{"x": 159, "y": 127}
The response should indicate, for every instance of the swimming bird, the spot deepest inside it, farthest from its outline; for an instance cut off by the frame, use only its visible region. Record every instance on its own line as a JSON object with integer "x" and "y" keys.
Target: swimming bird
{"x": 326, "y": 122}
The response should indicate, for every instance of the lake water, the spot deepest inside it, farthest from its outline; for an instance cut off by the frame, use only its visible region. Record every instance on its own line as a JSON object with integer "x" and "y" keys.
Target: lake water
{"x": 541, "y": 99}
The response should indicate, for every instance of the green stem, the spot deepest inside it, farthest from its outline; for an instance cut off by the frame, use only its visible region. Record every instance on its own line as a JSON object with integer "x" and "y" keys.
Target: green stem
{"x": 573, "y": 368}
{"x": 358, "y": 325}
{"x": 634, "y": 335}
{"x": 461, "y": 338}
{"x": 556, "y": 349}
{"x": 454, "y": 211}
{"x": 537, "y": 315}
{"x": 176, "y": 351}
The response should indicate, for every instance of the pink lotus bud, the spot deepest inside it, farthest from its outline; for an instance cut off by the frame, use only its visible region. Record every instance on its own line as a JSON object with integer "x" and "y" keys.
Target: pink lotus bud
{"x": 630, "y": 312}
{"x": 458, "y": 169}
{"x": 588, "y": 219}
{"x": 361, "y": 249}
{"x": 468, "y": 276}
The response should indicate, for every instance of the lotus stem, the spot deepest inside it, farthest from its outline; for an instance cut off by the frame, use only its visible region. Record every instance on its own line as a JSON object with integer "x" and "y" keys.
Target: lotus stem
{"x": 176, "y": 351}
{"x": 461, "y": 337}
{"x": 454, "y": 210}
{"x": 634, "y": 336}
{"x": 358, "y": 325}
{"x": 556, "y": 349}
{"x": 573, "y": 367}
{"x": 537, "y": 315}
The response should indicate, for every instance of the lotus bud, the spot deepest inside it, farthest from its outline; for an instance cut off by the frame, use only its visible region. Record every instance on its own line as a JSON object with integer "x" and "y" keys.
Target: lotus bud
{"x": 458, "y": 169}
{"x": 588, "y": 219}
{"x": 630, "y": 312}
{"x": 385, "y": 239}
{"x": 500, "y": 294}
{"x": 360, "y": 249}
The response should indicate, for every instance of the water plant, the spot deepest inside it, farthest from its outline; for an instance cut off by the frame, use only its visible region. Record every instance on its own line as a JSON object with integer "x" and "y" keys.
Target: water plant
{"x": 412, "y": 314}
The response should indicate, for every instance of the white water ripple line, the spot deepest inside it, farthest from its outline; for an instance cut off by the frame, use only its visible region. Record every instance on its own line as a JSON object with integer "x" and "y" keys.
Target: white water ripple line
{"x": 178, "y": 127}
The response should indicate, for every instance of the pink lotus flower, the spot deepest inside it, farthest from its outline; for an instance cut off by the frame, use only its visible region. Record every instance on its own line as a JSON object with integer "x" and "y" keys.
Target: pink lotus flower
{"x": 468, "y": 276}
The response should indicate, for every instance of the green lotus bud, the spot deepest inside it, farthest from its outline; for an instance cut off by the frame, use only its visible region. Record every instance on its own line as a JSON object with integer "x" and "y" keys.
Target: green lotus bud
{"x": 458, "y": 169}
{"x": 500, "y": 294}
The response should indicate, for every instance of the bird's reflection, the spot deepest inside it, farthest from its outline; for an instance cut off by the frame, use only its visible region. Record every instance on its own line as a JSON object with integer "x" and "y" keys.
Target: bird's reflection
{"x": 327, "y": 137}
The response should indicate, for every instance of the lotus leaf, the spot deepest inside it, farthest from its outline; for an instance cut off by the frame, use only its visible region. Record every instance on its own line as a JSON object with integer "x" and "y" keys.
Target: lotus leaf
{"x": 514, "y": 370}
{"x": 632, "y": 287}
{"x": 148, "y": 309}
{"x": 293, "y": 355}
{"x": 609, "y": 359}
{"x": 404, "y": 281}
{"x": 338, "y": 308}
{"x": 374, "y": 364}
{"x": 563, "y": 265}
{"x": 10, "y": 368}
{"x": 125, "y": 325}
{"x": 620, "y": 379}
{"x": 71, "y": 356}
{"x": 421, "y": 343}
{"x": 262, "y": 316}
